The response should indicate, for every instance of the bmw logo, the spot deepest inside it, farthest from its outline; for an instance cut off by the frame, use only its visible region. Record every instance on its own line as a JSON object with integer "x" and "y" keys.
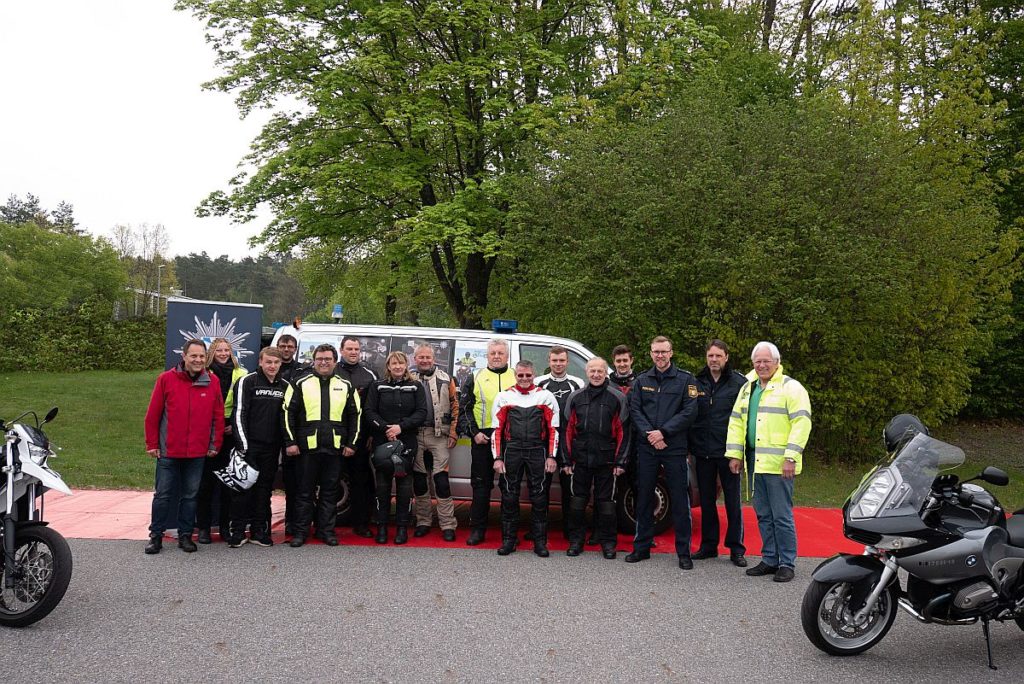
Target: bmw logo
{"x": 972, "y": 561}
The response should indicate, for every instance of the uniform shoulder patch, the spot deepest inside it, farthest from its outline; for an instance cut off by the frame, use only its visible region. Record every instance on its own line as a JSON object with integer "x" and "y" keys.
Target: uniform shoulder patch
{"x": 693, "y": 391}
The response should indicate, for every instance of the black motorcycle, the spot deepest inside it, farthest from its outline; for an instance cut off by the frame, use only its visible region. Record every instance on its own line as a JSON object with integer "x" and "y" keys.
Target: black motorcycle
{"x": 964, "y": 560}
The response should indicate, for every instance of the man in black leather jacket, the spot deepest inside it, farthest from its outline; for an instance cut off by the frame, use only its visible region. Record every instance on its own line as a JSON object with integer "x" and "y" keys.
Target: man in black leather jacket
{"x": 361, "y": 492}
{"x": 719, "y": 386}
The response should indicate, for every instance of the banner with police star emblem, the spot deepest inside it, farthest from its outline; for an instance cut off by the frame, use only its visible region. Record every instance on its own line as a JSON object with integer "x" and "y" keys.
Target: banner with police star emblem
{"x": 239, "y": 324}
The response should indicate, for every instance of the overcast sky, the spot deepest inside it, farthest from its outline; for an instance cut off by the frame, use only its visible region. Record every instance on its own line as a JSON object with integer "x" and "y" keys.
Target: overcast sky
{"x": 102, "y": 107}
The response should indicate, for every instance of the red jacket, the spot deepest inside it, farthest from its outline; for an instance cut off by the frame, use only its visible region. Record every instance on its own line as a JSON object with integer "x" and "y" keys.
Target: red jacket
{"x": 185, "y": 417}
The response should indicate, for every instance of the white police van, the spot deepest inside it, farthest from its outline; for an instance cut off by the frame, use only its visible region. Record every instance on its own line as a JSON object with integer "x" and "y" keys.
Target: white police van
{"x": 460, "y": 353}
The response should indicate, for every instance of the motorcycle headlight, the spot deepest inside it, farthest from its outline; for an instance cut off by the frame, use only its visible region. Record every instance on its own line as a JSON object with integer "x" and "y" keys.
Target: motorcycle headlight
{"x": 873, "y": 495}
{"x": 38, "y": 454}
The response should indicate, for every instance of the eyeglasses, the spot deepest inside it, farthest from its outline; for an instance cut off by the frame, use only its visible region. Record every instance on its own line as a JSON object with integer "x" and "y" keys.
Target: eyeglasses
{"x": 524, "y": 375}
{"x": 323, "y": 360}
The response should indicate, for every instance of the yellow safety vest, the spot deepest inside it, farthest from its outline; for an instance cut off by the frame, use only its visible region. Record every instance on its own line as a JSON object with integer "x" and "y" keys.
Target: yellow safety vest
{"x": 486, "y": 385}
{"x": 783, "y": 423}
{"x": 317, "y": 417}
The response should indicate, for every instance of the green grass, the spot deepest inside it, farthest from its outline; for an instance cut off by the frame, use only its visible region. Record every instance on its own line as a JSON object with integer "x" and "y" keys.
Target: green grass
{"x": 999, "y": 444}
{"x": 100, "y": 425}
{"x": 100, "y": 428}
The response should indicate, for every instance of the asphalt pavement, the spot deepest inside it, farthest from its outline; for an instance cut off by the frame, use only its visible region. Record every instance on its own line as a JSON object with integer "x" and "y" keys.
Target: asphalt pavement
{"x": 399, "y": 614}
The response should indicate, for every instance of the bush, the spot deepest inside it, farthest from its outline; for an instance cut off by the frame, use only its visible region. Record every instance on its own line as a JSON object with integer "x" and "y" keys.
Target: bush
{"x": 866, "y": 262}
{"x": 84, "y": 337}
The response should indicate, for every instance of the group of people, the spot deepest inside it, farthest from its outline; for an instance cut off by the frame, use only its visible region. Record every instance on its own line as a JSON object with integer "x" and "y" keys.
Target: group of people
{"x": 398, "y": 430}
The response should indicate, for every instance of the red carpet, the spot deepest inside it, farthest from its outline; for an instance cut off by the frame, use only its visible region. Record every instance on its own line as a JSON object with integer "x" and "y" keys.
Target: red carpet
{"x": 98, "y": 514}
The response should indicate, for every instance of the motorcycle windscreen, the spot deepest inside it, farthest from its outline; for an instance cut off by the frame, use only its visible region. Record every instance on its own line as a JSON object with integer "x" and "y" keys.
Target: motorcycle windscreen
{"x": 901, "y": 486}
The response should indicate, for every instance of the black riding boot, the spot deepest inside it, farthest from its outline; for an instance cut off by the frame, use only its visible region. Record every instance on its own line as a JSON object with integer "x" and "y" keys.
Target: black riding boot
{"x": 606, "y": 523}
{"x": 382, "y": 534}
{"x": 540, "y": 537}
{"x": 577, "y": 505}
{"x": 509, "y": 541}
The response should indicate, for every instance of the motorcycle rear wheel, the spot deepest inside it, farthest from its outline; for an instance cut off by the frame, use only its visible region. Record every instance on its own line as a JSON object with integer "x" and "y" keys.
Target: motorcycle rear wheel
{"x": 42, "y": 560}
{"x": 829, "y": 624}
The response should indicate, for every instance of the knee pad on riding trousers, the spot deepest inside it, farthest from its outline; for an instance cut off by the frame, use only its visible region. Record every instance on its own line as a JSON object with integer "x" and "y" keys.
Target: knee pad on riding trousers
{"x": 419, "y": 483}
{"x": 441, "y": 485}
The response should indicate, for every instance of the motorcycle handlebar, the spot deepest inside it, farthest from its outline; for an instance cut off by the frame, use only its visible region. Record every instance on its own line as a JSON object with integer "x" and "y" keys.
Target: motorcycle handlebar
{"x": 966, "y": 498}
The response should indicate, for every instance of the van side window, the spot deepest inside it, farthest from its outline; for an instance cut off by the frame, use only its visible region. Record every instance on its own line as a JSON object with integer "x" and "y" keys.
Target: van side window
{"x": 443, "y": 350}
{"x": 538, "y": 354}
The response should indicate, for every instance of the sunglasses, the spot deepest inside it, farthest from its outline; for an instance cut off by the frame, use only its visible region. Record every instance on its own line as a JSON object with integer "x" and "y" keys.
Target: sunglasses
{"x": 524, "y": 375}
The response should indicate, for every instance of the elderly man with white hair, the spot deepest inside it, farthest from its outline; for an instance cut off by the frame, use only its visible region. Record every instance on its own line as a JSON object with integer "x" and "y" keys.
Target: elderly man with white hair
{"x": 476, "y": 422}
{"x": 771, "y": 445}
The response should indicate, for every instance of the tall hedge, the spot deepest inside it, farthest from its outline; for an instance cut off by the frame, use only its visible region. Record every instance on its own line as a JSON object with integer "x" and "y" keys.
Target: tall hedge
{"x": 866, "y": 262}
{"x": 85, "y": 337}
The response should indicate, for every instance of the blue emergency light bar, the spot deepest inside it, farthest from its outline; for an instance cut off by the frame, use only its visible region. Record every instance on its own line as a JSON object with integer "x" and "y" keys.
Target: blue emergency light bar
{"x": 504, "y": 325}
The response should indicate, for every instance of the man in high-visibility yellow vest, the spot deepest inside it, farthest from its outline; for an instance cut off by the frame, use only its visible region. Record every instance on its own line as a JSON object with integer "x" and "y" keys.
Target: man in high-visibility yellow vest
{"x": 771, "y": 448}
{"x": 476, "y": 400}
{"x": 321, "y": 427}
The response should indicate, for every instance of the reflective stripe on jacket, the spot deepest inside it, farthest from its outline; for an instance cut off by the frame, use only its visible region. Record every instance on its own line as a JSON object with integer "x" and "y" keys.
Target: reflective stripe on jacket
{"x": 229, "y": 401}
{"x": 318, "y": 425}
{"x": 783, "y": 423}
{"x": 478, "y": 395}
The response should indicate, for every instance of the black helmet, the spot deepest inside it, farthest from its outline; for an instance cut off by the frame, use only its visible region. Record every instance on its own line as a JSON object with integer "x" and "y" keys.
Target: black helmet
{"x": 902, "y": 429}
{"x": 387, "y": 457}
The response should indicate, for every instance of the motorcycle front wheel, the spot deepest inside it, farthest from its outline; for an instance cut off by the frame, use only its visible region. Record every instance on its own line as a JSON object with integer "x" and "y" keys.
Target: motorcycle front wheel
{"x": 829, "y": 622}
{"x": 42, "y": 572}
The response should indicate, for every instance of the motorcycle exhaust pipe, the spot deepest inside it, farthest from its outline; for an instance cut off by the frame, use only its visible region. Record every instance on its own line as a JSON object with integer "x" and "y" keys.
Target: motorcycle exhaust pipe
{"x": 906, "y": 605}
{"x": 926, "y": 615}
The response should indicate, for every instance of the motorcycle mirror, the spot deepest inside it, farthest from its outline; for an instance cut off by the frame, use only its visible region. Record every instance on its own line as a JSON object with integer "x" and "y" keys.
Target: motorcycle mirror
{"x": 995, "y": 476}
{"x": 50, "y": 415}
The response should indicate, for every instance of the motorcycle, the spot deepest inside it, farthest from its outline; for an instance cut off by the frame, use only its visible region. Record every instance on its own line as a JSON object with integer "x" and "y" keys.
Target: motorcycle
{"x": 37, "y": 559}
{"x": 964, "y": 560}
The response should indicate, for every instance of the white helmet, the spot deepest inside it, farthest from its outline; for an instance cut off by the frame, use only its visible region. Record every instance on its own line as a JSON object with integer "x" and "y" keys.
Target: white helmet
{"x": 237, "y": 475}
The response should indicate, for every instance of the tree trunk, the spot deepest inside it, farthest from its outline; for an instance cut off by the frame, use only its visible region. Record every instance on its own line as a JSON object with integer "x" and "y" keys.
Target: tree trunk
{"x": 767, "y": 22}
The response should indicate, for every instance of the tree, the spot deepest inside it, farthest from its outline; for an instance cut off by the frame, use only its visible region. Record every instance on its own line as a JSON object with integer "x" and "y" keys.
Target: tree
{"x": 267, "y": 280}
{"x": 29, "y": 210}
{"x": 867, "y": 262}
{"x": 143, "y": 249}
{"x": 414, "y": 115}
{"x": 47, "y": 270}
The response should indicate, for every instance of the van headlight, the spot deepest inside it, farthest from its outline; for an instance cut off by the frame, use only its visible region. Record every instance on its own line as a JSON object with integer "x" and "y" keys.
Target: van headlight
{"x": 873, "y": 495}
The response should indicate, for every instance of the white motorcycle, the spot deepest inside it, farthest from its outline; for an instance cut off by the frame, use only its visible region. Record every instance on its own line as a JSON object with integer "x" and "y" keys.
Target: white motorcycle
{"x": 37, "y": 559}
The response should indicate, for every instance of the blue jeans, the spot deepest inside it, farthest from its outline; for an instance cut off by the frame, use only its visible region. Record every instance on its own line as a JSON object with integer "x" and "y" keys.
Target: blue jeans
{"x": 676, "y": 477}
{"x": 181, "y": 475}
{"x": 773, "y": 503}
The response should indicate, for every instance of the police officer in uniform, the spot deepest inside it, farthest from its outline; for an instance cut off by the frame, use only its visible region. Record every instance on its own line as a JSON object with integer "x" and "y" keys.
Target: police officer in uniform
{"x": 663, "y": 405}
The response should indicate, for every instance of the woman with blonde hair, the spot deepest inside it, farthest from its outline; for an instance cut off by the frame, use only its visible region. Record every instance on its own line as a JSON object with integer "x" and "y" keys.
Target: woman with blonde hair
{"x": 222, "y": 362}
{"x": 396, "y": 406}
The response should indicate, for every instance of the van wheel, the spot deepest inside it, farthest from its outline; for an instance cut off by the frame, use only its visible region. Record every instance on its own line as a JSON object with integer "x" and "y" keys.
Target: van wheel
{"x": 626, "y": 509}
{"x": 344, "y": 500}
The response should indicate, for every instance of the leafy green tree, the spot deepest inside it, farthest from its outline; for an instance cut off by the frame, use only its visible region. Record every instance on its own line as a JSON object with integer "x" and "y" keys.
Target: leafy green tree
{"x": 266, "y": 280}
{"x": 43, "y": 269}
{"x": 869, "y": 263}
{"x": 413, "y": 116}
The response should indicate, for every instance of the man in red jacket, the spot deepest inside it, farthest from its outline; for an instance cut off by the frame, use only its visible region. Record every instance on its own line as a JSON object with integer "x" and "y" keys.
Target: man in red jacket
{"x": 184, "y": 425}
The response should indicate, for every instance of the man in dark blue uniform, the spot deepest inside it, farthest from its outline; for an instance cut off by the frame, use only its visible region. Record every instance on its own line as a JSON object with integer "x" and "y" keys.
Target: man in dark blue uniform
{"x": 719, "y": 386}
{"x": 663, "y": 405}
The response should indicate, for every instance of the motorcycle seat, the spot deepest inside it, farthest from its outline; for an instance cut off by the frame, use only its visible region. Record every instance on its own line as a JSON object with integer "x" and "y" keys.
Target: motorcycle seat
{"x": 1015, "y": 529}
